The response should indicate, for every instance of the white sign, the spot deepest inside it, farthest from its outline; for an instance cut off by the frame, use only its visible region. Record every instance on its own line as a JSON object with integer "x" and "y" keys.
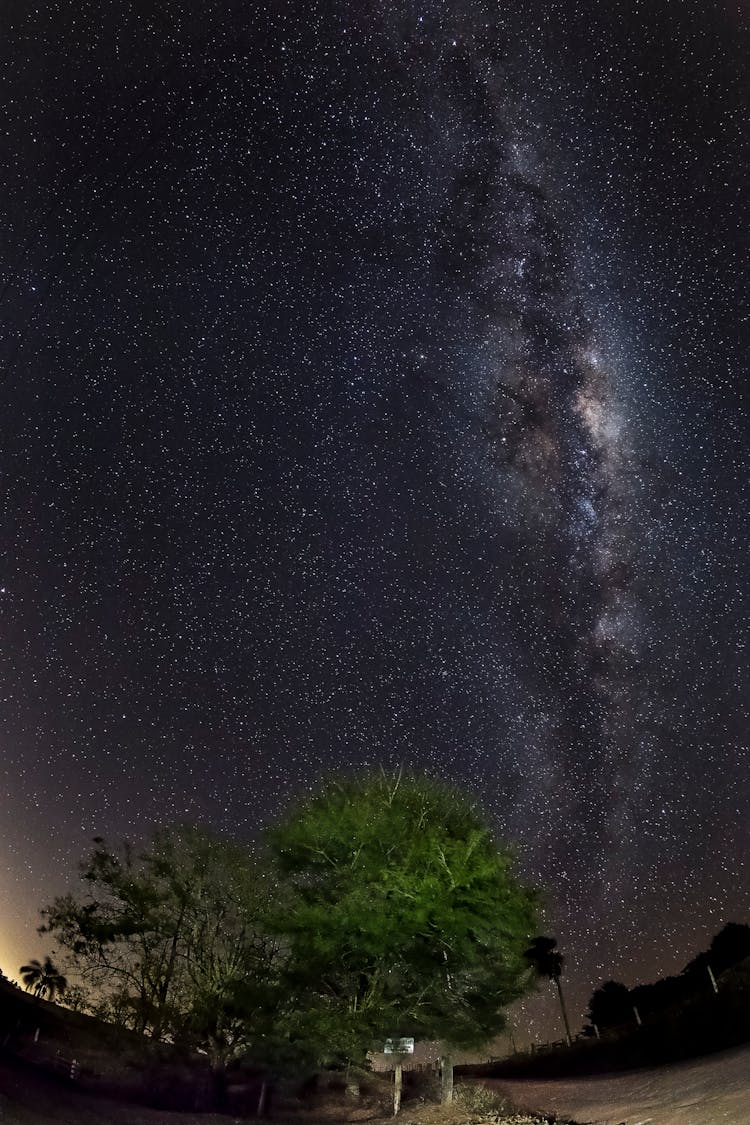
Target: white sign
{"x": 399, "y": 1047}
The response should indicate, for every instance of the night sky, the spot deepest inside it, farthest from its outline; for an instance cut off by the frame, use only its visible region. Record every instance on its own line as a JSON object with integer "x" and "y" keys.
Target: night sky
{"x": 374, "y": 393}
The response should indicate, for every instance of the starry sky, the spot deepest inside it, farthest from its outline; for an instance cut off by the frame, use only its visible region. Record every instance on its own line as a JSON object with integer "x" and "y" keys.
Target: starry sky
{"x": 374, "y": 393}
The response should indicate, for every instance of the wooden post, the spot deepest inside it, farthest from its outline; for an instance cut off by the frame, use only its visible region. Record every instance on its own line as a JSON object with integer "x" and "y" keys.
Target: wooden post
{"x": 398, "y": 1082}
{"x": 446, "y": 1080}
{"x": 564, "y": 1011}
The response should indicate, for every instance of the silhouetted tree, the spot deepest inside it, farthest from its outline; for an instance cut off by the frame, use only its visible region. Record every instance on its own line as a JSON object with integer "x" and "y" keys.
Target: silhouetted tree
{"x": 667, "y": 992}
{"x": 547, "y": 961}
{"x": 43, "y": 978}
{"x": 610, "y": 1005}
{"x": 173, "y": 939}
{"x": 77, "y": 998}
{"x": 730, "y": 946}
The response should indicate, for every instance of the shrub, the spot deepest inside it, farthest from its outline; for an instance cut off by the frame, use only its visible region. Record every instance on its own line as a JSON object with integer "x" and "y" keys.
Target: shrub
{"x": 476, "y": 1098}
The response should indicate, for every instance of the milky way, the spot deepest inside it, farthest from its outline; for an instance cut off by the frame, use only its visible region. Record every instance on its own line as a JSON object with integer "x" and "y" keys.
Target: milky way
{"x": 375, "y": 393}
{"x": 544, "y": 404}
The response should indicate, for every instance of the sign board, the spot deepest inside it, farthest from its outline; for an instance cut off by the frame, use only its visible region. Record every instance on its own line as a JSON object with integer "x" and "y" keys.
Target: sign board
{"x": 399, "y": 1047}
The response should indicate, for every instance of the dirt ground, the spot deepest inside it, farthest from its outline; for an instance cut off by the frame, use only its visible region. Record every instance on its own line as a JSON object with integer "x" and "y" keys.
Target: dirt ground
{"x": 714, "y": 1090}
{"x": 708, "y": 1091}
{"x": 29, "y": 1097}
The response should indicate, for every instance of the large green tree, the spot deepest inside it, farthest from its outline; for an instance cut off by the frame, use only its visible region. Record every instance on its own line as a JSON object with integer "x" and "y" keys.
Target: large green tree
{"x": 403, "y": 916}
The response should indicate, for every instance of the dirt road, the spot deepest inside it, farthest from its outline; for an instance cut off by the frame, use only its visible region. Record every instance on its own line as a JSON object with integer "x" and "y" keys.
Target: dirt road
{"x": 708, "y": 1091}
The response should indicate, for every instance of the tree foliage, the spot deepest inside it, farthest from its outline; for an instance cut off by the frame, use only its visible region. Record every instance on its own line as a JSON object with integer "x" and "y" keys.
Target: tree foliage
{"x": 172, "y": 937}
{"x": 610, "y": 1005}
{"x": 403, "y": 916}
{"x": 547, "y": 961}
{"x": 730, "y": 946}
{"x": 44, "y": 979}
{"x": 545, "y": 957}
{"x": 384, "y": 908}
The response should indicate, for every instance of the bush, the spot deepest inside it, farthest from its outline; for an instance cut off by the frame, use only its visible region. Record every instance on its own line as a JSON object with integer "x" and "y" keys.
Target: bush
{"x": 476, "y": 1098}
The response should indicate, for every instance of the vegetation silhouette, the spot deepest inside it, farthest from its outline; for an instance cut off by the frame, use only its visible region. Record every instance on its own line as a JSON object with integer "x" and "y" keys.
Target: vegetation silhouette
{"x": 381, "y": 907}
{"x": 548, "y": 961}
{"x": 43, "y": 979}
{"x": 612, "y": 1004}
{"x": 173, "y": 940}
{"x": 693, "y": 1013}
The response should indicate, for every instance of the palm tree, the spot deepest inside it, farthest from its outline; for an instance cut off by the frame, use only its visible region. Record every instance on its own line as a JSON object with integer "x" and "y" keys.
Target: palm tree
{"x": 45, "y": 979}
{"x": 547, "y": 960}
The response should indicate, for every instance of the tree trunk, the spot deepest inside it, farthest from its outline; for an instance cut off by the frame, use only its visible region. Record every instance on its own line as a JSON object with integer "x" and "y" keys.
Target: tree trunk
{"x": 398, "y": 1081}
{"x": 352, "y": 1084}
{"x": 564, "y": 1011}
{"x": 218, "y": 1083}
{"x": 162, "y": 992}
{"x": 446, "y": 1079}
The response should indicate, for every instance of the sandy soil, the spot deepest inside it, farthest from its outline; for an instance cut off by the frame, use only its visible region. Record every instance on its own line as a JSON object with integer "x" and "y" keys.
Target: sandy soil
{"x": 708, "y": 1091}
